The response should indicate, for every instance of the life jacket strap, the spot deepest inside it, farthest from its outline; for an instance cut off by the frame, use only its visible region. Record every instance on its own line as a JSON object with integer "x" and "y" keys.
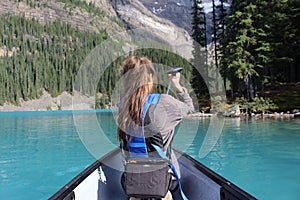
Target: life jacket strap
{"x": 163, "y": 155}
{"x": 137, "y": 145}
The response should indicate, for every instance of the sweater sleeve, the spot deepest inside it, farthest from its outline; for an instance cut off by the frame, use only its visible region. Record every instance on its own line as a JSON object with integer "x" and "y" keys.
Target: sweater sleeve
{"x": 169, "y": 112}
{"x": 187, "y": 100}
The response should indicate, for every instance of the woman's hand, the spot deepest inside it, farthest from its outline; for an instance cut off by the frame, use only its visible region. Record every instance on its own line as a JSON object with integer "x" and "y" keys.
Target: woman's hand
{"x": 175, "y": 78}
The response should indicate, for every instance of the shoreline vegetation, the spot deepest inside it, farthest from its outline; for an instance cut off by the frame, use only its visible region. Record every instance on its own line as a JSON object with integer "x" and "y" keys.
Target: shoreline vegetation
{"x": 66, "y": 101}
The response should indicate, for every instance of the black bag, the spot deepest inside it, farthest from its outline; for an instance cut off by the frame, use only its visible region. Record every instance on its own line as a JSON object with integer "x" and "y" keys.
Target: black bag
{"x": 146, "y": 177}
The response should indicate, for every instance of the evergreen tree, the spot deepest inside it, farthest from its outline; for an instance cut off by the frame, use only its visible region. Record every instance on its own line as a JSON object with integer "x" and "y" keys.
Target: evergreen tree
{"x": 215, "y": 41}
{"x": 220, "y": 35}
{"x": 242, "y": 39}
{"x": 283, "y": 38}
{"x": 294, "y": 18}
{"x": 199, "y": 49}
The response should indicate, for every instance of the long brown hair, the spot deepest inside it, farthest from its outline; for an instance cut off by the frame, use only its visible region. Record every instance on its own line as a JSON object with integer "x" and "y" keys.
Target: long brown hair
{"x": 138, "y": 72}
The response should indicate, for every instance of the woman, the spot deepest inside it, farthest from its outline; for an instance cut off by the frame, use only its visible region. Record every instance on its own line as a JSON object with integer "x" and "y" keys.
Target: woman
{"x": 161, "y": 118}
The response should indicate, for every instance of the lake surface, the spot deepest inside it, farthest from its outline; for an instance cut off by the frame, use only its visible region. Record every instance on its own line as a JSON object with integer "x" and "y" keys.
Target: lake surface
{"x": 41, "y": 151}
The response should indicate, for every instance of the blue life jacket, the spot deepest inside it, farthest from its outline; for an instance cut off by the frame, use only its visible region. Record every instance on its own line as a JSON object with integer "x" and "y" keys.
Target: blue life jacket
{"x": 137, "y": 145}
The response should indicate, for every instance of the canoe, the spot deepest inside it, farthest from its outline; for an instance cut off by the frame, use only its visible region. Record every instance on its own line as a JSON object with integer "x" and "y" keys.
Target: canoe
{"x": 101, "y": 181}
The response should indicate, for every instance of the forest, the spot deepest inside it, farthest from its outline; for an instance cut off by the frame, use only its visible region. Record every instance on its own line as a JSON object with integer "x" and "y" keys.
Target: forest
{"x": 47, "y": 58}
{"x": 255, "y": 46}
{"x": 40, "y": 57}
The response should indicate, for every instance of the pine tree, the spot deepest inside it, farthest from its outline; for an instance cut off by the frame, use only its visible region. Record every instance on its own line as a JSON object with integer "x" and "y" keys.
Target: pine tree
{"x": 283, "y": 38}
{"x": 200, "y": 49}
{"x": 215, "y": 41}
{"x": 220, "y": 34}
{"x": 294, "y": 18}
{"x": 242, "y": 39}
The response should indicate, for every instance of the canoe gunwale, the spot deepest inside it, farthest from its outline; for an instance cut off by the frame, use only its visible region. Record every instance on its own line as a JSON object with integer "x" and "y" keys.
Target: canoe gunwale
{"x": 226, "y": 186}
{"x": 224, "y": 183}
{"x": 70, "y": 186}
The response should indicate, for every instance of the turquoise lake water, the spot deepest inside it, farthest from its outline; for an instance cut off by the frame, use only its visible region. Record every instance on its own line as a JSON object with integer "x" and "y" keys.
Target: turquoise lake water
{"x": 41, "y": 151}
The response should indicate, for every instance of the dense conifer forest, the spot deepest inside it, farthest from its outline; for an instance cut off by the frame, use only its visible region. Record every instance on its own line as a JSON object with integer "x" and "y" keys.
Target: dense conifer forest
{"x": 40, "y": 57}
{"x": 254, "y": 43}
{"x": 255, "y": 46}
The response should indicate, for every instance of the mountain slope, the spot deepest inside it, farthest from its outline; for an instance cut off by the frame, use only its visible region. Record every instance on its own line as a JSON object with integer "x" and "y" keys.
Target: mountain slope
{"x": 77, "y": 14}
{"x": 177, "y": 11}
{"x": 137, "y": 16}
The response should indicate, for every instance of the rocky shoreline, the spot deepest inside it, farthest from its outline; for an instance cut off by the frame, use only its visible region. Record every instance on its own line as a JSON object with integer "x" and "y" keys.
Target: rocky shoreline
{"x": 64, "y": 101}
{"x": 276, "y": 115}
{"x": 242, "y": 115}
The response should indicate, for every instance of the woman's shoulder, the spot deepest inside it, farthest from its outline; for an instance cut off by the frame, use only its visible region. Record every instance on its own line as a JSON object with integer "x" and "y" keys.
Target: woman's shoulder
{"x": 167, "y": 99}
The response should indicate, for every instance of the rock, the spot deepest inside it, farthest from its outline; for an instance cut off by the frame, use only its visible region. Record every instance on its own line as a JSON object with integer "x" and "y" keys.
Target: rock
{"x": 232, "y": 111}
{"x": 278, "y": 115}
{"x": 200, "y": 114}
